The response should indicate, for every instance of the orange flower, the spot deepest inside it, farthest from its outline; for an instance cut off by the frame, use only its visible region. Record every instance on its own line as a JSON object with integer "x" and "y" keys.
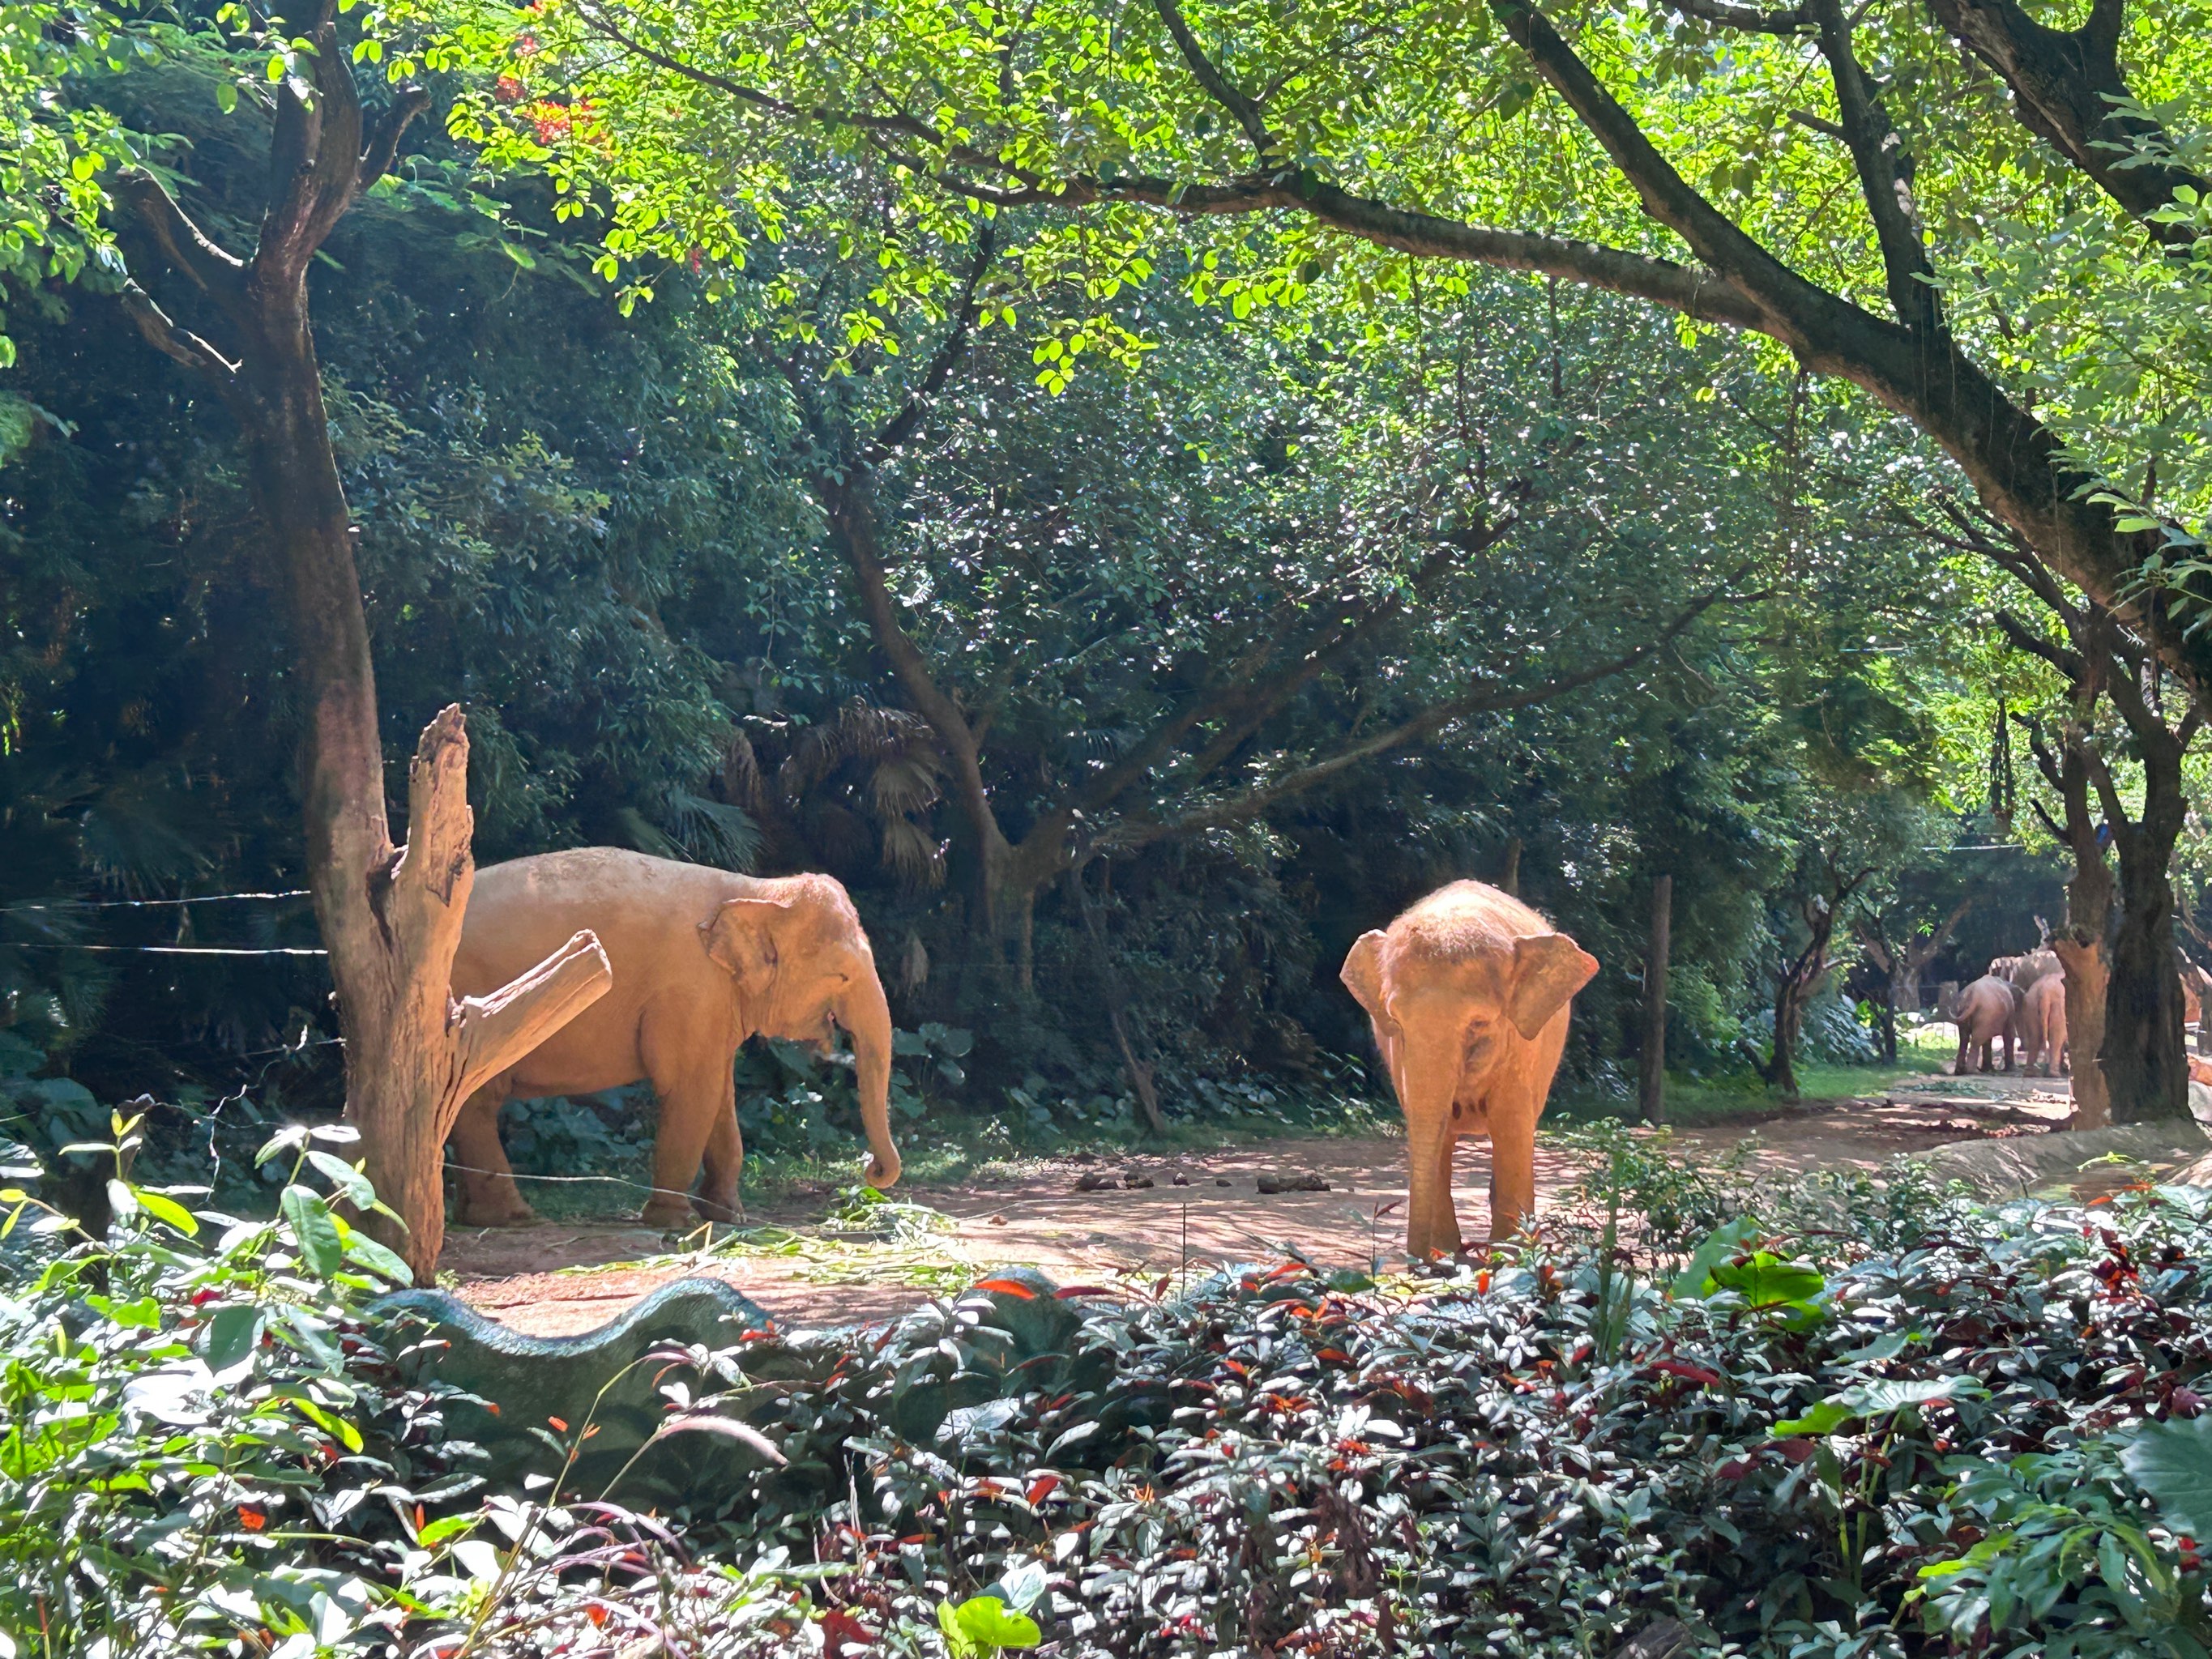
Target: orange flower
{"x": 251, "y": 1519}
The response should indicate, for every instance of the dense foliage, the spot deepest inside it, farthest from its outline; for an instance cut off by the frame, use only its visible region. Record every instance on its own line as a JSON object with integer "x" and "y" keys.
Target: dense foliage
{"x": 605, "y": 533}
{"x": 1852, "y": 1420}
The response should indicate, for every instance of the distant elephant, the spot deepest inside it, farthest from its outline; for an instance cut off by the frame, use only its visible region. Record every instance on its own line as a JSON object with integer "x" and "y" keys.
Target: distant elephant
{"x": 2043, "y": 1026}
{"x": 1987, "y": 1009}
{"x": 1468, "y": 994}
{"x": 703, "y": 959}
{"x": 2027, "y": 970}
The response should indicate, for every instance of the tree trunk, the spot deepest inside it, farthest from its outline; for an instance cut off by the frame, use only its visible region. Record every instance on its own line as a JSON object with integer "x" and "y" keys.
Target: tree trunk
{"x": 391, "y": 917}
{"x": 1653, "y": 1079}
{"x": 1509, "y": 869}
{"x": 2144, "y": 1054}
{"x": 1790, "y": 996}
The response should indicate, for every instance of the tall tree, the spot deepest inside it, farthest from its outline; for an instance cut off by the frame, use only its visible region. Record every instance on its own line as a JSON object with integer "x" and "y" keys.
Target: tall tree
{"x": 390, "y": 915}
{"x": 1687, "y": 130}
{"x": 2143, "y": 1059}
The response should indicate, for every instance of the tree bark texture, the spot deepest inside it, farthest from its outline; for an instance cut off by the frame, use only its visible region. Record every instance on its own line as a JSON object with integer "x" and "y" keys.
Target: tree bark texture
{"x": 1653, "y": 1077}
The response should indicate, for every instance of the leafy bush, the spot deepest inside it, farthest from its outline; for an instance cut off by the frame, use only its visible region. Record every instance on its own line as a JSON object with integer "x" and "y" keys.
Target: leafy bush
{"x": 1852, "y": 1418}
{"x": 1793, "y": 1442}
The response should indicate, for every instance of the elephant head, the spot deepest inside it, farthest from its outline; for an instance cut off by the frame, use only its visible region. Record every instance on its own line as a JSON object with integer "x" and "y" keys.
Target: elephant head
{"x": 800, "y": 966}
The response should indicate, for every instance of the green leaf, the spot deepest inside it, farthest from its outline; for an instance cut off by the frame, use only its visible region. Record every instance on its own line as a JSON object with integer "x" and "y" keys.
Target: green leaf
{"x": 376, "y": 1257}
{"x": 313, "y": 1229}
{"x": 167, "y": 1209}
{"x": 336, "y": 1427}
{"x": 348, "y": 1182}
{"x": 2172, "y": 1461}
{"x": 231, "y": 1336}
{"x": 983, "y": 1624}
{"x": 446, "y": 1526}
{"x": 1723, "y": 1244}
{"x": 1767, "y": 1282}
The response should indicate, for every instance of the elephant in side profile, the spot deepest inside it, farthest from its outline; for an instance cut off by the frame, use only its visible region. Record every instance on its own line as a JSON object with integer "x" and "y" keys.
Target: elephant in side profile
{"x": 1987, "y": 1010}
{"x": 703, "y": 959}
{"x": 2043, "y": 1026}
{"x": 1468, "y": 994}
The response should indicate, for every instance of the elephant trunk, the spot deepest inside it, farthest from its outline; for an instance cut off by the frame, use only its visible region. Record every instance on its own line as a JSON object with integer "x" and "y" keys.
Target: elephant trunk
{"x": 863, "y": 1013}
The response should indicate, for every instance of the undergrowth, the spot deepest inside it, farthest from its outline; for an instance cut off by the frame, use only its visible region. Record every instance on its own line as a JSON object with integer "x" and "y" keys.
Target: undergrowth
{"x": 1837, "y": 1417}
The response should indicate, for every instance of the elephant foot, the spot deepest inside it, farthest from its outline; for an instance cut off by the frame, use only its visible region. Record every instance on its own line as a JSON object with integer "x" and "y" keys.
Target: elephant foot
{"x": 672, "y": 1215}
{"x": 716, "y": 1209}
{"x": 495, "y": 1214}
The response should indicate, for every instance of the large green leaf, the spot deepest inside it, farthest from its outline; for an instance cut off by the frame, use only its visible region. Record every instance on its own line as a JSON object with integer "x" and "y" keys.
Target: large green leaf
{"x": 983, "y": 1624}
{"x": 313, "y": 1228}
{"x": 2172, "y": 1461}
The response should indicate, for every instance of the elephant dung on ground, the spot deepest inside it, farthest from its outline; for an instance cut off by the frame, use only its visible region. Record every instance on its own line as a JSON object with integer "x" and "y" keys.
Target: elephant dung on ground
{"x": 1987, "y": 1009}
{"x": 703, "y": 959}
{"x": 2043, "y": 1026}
{"x": 1468, "y": 994}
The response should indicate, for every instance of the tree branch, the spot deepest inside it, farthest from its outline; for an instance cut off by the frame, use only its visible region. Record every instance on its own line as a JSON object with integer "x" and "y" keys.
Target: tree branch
{"x": 2068, "y": 662}
{"x": 179, "y": 343}
{"x": 1885, "y": 171}
{"x": 1249, "y": 803}
{"x": 2067, "y": 89}
{"x": 383, "y": 147}
{"x": 1218, "y": 85}
{"x": 1749, "y": 18}
{"x": 212, "y": 268}
{"x": 315, "y": 158}
{"x": 949, "y": 350}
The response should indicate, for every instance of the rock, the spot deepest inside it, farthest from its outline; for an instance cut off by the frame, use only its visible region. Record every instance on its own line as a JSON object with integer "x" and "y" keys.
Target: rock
{"x": 1301, "y": 1181}
{"x": 1097, "y": 1181}
{"x": 1135, "y": 1179}
{"x": 513, "y": 1388}
{"x": 996, "y": 1221}
{"x": 2021, "y": 1165}
{"x": 1221, "y": 1181}
{"x": 1179, "y": 1179}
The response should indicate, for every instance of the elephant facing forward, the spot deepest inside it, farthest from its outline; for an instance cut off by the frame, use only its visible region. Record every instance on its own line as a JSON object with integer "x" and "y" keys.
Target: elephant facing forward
{"x": 1468, "y": 994}
{"x": 703, "y": 959}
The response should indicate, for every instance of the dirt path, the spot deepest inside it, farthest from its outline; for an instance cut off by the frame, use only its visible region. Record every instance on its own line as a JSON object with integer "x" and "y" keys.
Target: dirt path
{"x": 558, "y": 1279}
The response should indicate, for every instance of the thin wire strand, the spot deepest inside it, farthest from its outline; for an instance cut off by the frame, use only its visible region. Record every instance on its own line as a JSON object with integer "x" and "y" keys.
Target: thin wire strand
{"x": 148, "y": 904}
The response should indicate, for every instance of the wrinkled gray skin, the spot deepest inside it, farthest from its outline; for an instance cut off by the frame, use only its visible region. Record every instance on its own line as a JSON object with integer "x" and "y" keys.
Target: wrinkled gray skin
{"x": 1987, "y": 1010}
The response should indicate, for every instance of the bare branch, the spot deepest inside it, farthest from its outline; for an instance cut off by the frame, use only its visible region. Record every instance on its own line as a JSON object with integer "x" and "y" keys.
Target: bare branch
{"x": 950, "y": 351}
{"x": 1749, "y": 18}
{"x": 1251, "y": 802}
{"x": 384, "y": 142}
{"x": 212, "y": 268}
{"x": 1217, "y": 84}
{"x": 180, "y": 344}
{"x": 2068, "y": 662}
{"x": 1885, "y": 171}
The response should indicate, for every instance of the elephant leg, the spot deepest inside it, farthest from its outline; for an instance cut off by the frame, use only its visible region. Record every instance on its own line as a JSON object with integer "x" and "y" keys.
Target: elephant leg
{"x": 1512, "y": 1168}
{"x": 717, "y": 1197}
{"x": 1965, "y": 1052}
{"x": 690, "y": 1102}
{"x": 1427, "y": 1081}
{"x": 488, "y": 1196}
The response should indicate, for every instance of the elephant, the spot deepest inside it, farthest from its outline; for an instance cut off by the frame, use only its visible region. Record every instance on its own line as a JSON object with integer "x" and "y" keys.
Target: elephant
{"x": 1468, "y": 992}
{"x": 2027, "y": 970}
{"x": 2043, "y": 1026}
{"x": 703, "y": 959}
{"x": 1987, "y": 1009}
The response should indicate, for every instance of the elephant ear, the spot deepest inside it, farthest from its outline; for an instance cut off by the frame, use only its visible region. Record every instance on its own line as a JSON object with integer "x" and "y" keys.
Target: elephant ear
{"x": 1363, "y": 971}
{"x": 1548, "y": 969}
{"x": 740, "y": 936}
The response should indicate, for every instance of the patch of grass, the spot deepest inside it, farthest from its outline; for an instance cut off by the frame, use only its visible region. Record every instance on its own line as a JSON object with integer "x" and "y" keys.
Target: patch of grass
{"x": 1693, "y": 1101}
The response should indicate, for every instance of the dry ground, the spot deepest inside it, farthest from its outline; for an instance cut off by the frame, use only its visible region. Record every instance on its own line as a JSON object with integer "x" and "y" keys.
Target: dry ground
{"x": 558, "y": 1279}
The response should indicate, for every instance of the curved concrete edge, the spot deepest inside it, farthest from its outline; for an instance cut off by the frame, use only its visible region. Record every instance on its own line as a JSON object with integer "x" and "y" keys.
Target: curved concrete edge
{"x": 2021, "y": 1165}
